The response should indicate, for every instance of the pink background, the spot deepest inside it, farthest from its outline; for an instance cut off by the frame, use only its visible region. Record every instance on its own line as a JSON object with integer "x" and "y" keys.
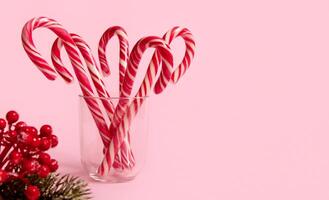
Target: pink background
{"x": 251, "y": 116}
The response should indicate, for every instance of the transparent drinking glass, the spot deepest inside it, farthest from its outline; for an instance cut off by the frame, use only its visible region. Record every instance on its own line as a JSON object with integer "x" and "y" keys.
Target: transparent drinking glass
{"x": 132, "y": 152}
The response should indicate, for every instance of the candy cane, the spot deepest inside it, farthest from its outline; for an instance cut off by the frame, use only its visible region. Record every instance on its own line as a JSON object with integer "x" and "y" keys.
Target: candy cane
{"x": 186, "y": 62}
{"x": 98, "y": 83}
{"x": 152, "y": 71}
{"x": 124, "y": 51}
{"x": 123, "y": 59}
{"x": 133, "y": 63}
{"x": 73, "y": 54}
{"x": 91, "y": 66}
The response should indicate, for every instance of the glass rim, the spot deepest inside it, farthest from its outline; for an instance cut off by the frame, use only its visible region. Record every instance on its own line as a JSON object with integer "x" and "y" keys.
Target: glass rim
{"x": 113, "y": 98}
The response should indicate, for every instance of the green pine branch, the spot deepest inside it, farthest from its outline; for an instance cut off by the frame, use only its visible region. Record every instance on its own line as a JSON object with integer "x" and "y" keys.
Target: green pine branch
{"x": 54, "y": 187}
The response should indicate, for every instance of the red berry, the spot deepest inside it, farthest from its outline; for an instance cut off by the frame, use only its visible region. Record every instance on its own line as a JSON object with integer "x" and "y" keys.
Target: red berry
{"x": 54, "y": 140}
{"x": 3, "y": 176}
{"x": 12, "y": 117}
{"x": 35, "y": 142}
{"x": 46, "y": 130}
{"x": 30, "y": 165}
{"x": 16, "y": 157}
{"x": 53, "y": 165}
{"x": 43, "y": 171}
{"x": 19, "y": 126}
{"x": 29, "y": 136}
{"x": 26, "y": 139}
{"x": 45, "y": 144}
{"x": 32, "y": 192}
{"x": 44, "y": 158}
{"x": 34, "y": 131}
{"x": 12, "y": 136}
{"x": 2, "y": 123}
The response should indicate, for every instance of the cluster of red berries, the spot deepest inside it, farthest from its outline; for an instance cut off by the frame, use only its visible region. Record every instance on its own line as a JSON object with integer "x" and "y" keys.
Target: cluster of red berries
{"x": 23, "y": 151}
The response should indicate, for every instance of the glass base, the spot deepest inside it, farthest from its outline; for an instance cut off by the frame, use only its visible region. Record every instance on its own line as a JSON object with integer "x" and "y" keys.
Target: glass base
{"x": 116, "y": 177}
{"x": 111, "y": 179}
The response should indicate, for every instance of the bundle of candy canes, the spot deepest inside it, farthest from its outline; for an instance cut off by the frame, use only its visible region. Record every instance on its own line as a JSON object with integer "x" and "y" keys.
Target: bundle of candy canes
{"x": 115, "y": 136}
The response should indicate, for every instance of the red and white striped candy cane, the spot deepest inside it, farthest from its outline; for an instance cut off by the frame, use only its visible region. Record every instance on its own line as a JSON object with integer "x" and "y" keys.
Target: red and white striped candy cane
{"x": 170, "y": 35}
{"x": 92, "y": 67}
{"x": 123, "y": 60}
{"x": 131, "y": 72}
{"x": 124, "y": 51}
{"x": 152, "y": 71}
{"x": 73, "y": 54}
{"x": 96, "y": 78}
